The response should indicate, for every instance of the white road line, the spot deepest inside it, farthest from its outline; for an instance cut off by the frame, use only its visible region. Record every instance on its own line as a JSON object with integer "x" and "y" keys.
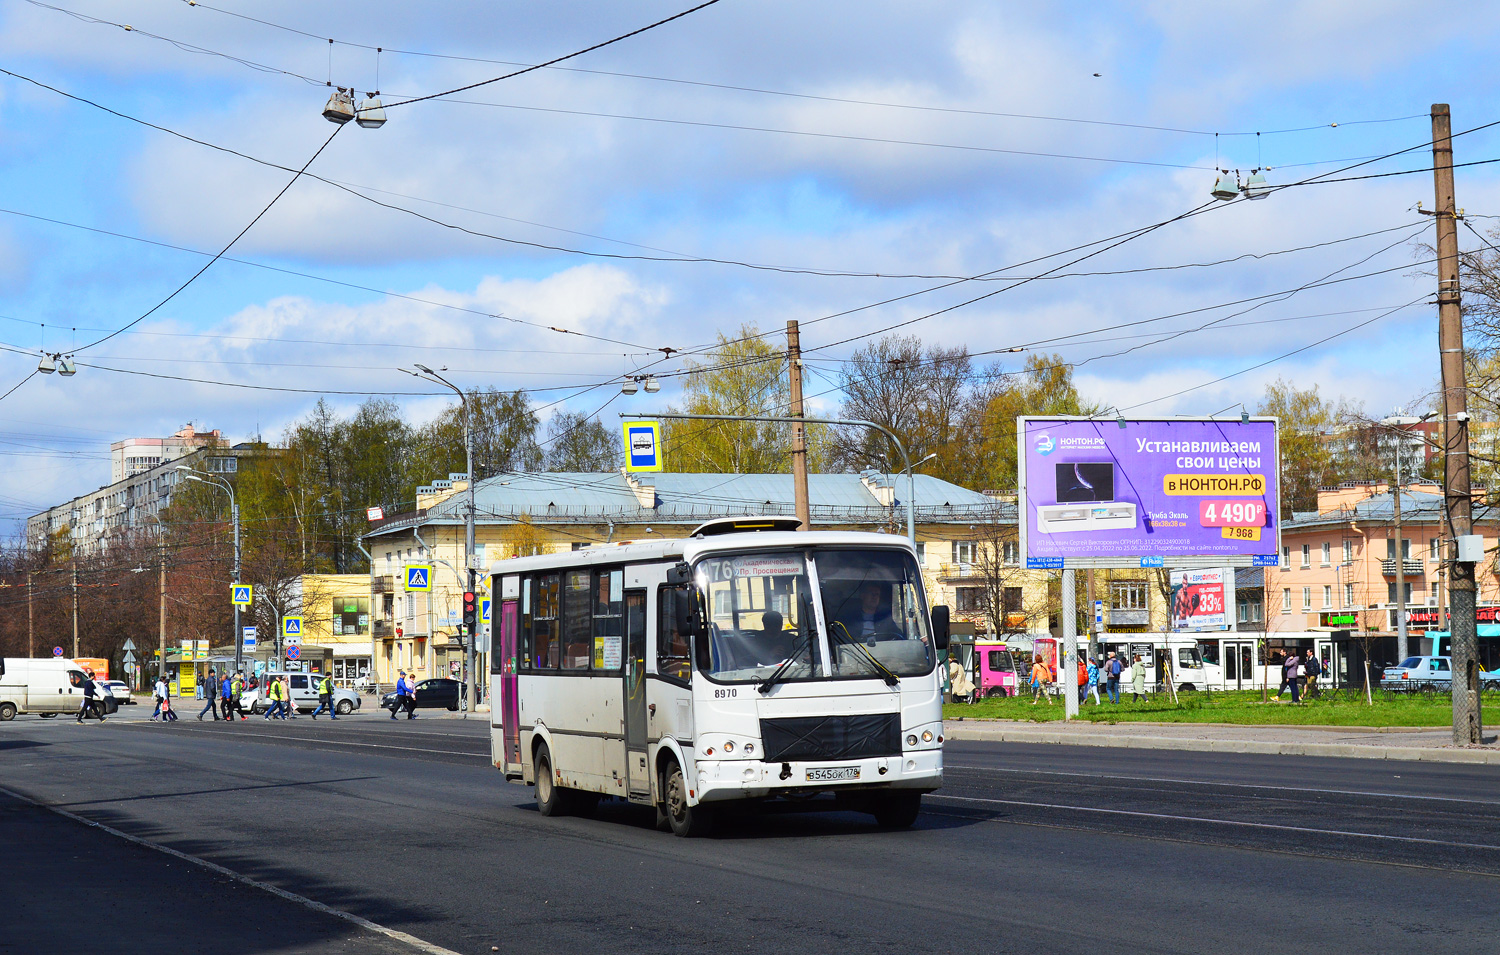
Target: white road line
{"x": 335, "y": 742}
{"x": 1218, "y": 822}
{"x": 1205, "y": 782}
{"x": 412, "y": 940}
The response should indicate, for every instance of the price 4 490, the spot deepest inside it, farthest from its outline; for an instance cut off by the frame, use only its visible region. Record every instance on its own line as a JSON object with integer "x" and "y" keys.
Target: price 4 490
{"x": 1232, "y": 513}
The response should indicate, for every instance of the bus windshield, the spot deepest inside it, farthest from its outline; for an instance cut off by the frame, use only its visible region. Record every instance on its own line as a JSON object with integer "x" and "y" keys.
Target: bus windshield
{"x": 871, "y": 602}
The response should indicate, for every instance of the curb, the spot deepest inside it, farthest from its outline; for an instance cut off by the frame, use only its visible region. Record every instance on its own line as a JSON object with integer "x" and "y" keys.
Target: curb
{"x": 1344, "y": 750}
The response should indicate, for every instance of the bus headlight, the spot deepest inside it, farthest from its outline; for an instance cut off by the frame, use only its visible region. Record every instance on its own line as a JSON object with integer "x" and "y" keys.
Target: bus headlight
{"x": 927, "y": 736}
{"x": 729, "y": 746}
{"x": 749, "y": 748}
{"x": 911, "y": 739}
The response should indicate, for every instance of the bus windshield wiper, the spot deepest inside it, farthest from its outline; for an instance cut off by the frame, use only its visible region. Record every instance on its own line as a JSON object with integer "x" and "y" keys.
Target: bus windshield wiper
{"x": 847, "y": 639}
{"x": 809, "y": 633}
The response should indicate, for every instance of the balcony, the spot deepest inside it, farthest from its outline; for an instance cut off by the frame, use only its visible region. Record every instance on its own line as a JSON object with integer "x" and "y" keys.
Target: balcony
{"x": 957, "y": 571}
{"x": 1409, "y": 567}
{"x": 383, "y": 585}
{"x": 383, "y": 629}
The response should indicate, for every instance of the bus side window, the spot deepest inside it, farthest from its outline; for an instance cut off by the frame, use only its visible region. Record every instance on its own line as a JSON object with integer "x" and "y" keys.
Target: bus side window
{"x": 523, "y": 628}
{"x": 544, "y": 622}
{"x": 673, "y": 656}
{"x": 577, "y": 620}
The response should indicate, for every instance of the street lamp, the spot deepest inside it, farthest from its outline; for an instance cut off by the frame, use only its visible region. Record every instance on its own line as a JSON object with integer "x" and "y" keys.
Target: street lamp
{"x": 427, "y": 373}
{"x": 234, "y": 510}
{"x": 1398, "y": 423}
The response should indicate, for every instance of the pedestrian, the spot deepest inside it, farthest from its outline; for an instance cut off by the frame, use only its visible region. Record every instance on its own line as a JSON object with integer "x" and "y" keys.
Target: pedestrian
{"x": 91, "y": 705}
{"x": 1093, "y": 678}
{"x": 411, "y": 696}
{"x": 289, "y": 709}
{"x": 1041, "y": 674}
{"x": 273, "y": 693}
{"x": 226, "y": 693}
{"x": 158, "y": 693}
{"x": 210, "y": 696}
{"x": 1083, "y": 677}
{"x": 1137, "y": 680}
{"x": 1291, "y": 675}
{"x": 958, "y": 677}
{"x": 1313, "y": 667}
{"x": 325, "y": 698}
{"x": 400, "y": 692}
{"x": 1112, "y": 671}
{"x": 168, "y": 715}
{"x": 236, "y": 692}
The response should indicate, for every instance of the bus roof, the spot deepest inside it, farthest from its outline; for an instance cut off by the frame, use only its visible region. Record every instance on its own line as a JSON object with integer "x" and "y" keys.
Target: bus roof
{"x": 691, "y": 548}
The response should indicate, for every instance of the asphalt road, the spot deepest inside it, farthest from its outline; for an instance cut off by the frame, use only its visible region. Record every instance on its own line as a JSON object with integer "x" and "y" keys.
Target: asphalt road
{"x": 1027, "y": 848}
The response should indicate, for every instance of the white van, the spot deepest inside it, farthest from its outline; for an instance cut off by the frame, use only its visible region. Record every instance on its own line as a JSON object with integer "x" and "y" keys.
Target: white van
{"x": 45, "y": 687}
{"x": 304, "y": 687}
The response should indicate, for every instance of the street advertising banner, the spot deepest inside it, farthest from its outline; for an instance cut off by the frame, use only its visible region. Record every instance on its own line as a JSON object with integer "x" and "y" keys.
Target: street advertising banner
{"x": 1183, "y": 492}
{"x": 1198, "y": 600}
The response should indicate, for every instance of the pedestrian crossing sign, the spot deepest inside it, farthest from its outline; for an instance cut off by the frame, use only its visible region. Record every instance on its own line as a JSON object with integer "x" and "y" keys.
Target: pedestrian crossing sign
{"x": 419, "y": 577}
{"x": 240, "y": 594}
{"x": 291, "y": 627}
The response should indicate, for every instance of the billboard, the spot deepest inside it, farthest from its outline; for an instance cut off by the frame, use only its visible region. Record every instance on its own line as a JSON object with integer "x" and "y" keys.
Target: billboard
{"x": 1199, "y": 599}
{"x": 1183, "y": 492}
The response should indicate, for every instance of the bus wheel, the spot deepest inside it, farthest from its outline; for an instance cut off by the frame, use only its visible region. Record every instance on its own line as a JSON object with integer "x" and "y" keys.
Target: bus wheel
{"x": 550, "y": 799}
{"x": 897, "y": 809}
{"x": 1186, "y": 688}
{"x": 685, "y": 820}
{"x": 995, "y": 691}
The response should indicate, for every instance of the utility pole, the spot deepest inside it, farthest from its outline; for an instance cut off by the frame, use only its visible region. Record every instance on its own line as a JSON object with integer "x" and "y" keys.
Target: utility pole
{"x": 799, "y": 430}
{"x": 161, "y": 661}
{"x": 30, "y": 621}
{"x": 75, "y": 608}
{"x": 1401, "y": 638}
{"x": 1468, "y": 723}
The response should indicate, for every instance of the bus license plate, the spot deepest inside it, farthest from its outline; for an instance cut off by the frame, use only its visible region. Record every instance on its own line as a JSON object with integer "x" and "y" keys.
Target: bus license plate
{"x": 825, "y": 773}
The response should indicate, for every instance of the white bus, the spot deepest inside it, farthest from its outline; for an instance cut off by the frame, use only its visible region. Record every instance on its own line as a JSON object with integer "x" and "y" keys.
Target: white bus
{"x": 747, "y": 662}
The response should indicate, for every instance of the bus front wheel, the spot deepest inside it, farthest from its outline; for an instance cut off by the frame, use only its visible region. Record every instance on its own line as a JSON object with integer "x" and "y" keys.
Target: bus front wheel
{"x": 685, "y": 820}
{"x": 897, "y": 810}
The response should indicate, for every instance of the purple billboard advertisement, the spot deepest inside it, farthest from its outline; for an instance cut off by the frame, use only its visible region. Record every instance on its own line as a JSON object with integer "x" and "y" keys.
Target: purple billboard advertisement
{"x": 1148, "y": 493}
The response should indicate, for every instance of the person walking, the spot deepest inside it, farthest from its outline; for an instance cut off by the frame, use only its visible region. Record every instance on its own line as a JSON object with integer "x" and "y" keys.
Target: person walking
{"x": 168, "y": 715}
{"x": 1313, "y": 668}
{"x": 226, "y": 694}
{"x": 210, "y": 696}
{"x": 1083, "y": 678}
{"x": 289, "y": 710}
{"x": 90, "y": 705}
{"x": 958, "y": 678}
{"x": 400, "y": 692}
{"x": 236, "y": 692}
{"x": 1112, "y": 671}
{"x": 1041, "y": 675}
{"x": 1093, "y": 681}
{"x": 1137, "y": 679}
{"x": 325, "y": 698}
{"x": 1292, "y": 675}
{"x": 273, "y": 693}
{"x": 158, "y": 693}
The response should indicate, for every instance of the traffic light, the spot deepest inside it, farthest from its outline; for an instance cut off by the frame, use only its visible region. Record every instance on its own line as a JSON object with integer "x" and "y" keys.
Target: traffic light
{"x": 471, "y": 611}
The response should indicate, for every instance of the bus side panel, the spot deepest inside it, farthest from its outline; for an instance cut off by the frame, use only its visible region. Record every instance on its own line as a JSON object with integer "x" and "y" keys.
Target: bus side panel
{"x": 583, "y": 715}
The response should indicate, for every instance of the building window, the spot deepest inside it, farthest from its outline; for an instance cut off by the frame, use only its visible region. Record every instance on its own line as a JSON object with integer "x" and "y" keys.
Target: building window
{"x": 1286, "y": 600}
{"x": 963, "y": 552}
{"x": 1127, "y": 595}
{"x": 1327, "y": 596}
{"x": 921, "y": 553}
{"x": 223, "y": 465}
{"x": 1306, "y": 599}
{"x": 1011, "y": 598}
{"x": 351, "y": 616}
{"x": 1390, "y": 590}
{"x": 1390, "y": 548}
{"x": 1010, "y": 552}
{"x": 1286, "y": 556}
{"x": 1306, "y": 555}
{"x": 1327, "y": 553}
{"x": 1249, "y": 608}
{"x": 1348, "y": 595}
{"x": 1432, "y": 549}
{"x": 1432, "y": 600}
{"x": 389, "y": 565}
{"x": 411, "y": 606}
{"x": 970, "y": 599}
{"x": 1348, "y": 552}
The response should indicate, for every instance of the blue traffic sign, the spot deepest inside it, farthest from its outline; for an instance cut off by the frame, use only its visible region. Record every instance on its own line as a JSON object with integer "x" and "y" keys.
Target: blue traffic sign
{"x": 291, "y": 626}
{"x": 240, "y": 594}
{"x": 484, "y": 610}
{"x": 293, "y": 652}
{"x": 419, "y": 577}
{"x": 643, "y": 446}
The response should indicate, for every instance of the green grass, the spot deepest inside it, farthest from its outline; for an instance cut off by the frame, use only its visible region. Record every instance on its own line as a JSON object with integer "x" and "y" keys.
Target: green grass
{"x": 1245, "y": 707}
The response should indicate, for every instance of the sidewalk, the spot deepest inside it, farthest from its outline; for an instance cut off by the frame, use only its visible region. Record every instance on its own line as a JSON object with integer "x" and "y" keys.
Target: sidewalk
{"x": 1360, "y": 742}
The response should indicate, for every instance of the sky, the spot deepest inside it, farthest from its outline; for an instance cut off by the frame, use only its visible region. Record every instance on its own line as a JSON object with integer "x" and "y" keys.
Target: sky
{"x": 550, "y": 232}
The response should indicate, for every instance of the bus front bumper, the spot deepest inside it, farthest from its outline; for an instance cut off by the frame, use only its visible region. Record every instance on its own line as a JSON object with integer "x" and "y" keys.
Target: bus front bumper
{"x": 727, "y": 779}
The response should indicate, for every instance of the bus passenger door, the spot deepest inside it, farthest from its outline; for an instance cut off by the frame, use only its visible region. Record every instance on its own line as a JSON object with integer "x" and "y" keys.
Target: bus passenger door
{"x": 637, "y": 765}
{"x": 509, "y": 708}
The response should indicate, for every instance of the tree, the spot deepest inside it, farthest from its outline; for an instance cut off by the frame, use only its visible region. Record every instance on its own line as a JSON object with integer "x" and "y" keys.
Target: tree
{"x": 1044, "y": 387}
{"x": 504, "y": 436}
{"x": 578, "y": 442}
{"x": 745, "y": 375}
{"x": 1306, "y": 420}
{"x": 921, "y": 394}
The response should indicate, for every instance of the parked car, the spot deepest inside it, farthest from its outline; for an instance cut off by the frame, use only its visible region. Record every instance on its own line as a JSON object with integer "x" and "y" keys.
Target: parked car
{"x": 119, "y": 689}
{"x": 1418, "y": 673}
{"x": 304, "y": 695}
{"x": 1489, "y": 679}
{"x": 438, "y": 692}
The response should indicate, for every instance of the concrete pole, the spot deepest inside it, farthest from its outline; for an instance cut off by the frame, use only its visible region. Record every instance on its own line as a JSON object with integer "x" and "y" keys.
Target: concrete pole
{"x": 1067, "y": 655}
{"x": 30, "y": 621}
{"x": 239, "y": 635}
{"x": 75, "y": 608}
{"x": 1468, "y": 723}
{"x": 161, "y": 661}
{"x": 799, "y": 430}
{"x": 1402, "y": 643}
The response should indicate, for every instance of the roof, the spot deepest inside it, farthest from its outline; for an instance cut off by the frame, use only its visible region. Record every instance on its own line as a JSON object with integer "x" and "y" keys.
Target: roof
{"x": 1418, "y": 508}
{"x": 590, "y": 497}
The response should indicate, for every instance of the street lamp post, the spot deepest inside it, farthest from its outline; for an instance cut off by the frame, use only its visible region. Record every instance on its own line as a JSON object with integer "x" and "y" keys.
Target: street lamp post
{"x": 234, "y": 511}
{"x": 911, "y": 481}
{"x": 469, "y": 580}
{"x": 1398, "y": 423}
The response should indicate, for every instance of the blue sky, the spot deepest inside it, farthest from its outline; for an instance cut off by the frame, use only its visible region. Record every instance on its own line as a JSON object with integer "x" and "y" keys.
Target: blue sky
{"x": 518, "y": 160}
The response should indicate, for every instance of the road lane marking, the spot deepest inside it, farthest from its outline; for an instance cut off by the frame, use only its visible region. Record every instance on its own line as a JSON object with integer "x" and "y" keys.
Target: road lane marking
{"x": 1169, "y": 817}
{"x": 1205, "y": 782}
{"x": 416, "y": 943}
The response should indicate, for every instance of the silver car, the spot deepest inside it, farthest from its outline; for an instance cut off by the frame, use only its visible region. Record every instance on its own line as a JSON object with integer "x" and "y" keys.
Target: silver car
{"x": 1418, "y": 673}
{"x": 304, "y": 688}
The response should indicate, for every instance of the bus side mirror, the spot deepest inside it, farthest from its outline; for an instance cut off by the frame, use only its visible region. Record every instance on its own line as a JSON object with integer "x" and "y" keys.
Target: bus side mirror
{"x": 679, "y": 574}
{"x": 940, "y": 627}
{"x": 685, "y": 612}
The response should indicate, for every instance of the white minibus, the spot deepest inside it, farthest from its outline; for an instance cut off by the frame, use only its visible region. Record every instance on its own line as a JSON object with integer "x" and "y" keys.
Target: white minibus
{"x": 746, "y": 662}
